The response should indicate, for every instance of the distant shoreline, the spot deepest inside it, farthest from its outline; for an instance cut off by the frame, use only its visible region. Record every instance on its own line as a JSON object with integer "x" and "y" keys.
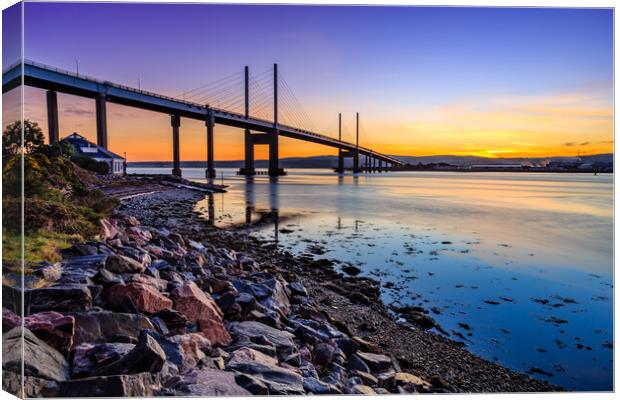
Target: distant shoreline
{"x": 407, "y": 169}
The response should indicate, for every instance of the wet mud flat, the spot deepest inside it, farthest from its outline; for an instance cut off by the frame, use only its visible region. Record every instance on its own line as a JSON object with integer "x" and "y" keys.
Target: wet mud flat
{"x": 352, "y": 304}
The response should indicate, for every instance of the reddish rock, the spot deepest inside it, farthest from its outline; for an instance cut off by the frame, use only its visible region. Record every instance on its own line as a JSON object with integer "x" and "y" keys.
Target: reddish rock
{"x": 145, "y": 297}
{"x": 200, "y": 307}
{"x": 194, "y": 346}
{"x": 154, "y": 250}
{"x": 9, "y": 320}
{"x": 159, "y": 284}
{"x": 109, "y": 229}
{"x": 131, "y": 220}
{"x": 138, "y": 235}
{"x": 53, "y": 328}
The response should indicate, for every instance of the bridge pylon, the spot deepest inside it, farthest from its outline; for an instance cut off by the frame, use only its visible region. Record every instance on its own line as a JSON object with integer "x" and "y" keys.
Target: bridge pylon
{"x": 175, "y": 122}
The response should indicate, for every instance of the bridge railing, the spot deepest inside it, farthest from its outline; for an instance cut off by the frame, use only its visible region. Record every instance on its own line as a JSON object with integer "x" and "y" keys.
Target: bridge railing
{"x": 187, "y": 103}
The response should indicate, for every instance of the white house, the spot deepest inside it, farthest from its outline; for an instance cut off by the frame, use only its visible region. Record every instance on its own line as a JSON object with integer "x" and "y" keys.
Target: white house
{"x": 83, "y": 147}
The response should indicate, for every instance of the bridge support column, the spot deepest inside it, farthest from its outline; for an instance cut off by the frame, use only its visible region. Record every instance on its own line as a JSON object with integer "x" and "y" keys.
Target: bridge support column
{"x": 248, "y": 167}
{"x": 210, "y": 172}
{"x": 274, "y": 160}
{"x": 102, "y": 121}
{"x": 52, "y": 116}
{"x": 340, "y": 168}
{"x": 175, "y": 121}
{"x": 356, "y": 161}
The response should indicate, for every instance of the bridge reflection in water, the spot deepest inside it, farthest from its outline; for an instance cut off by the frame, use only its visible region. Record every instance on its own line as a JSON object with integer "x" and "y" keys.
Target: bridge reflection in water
{"x": 254, "y": 215}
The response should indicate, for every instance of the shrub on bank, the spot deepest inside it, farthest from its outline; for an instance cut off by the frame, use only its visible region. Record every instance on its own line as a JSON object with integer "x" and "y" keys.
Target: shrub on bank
{"x": 57, "y": 200}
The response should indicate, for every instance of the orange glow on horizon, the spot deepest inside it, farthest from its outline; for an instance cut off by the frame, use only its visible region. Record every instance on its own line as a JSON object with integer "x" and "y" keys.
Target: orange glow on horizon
{"x": 556, "y": 124}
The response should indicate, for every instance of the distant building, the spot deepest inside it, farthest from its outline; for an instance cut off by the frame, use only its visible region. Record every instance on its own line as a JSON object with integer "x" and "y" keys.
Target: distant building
{"x": 85, "y": 148}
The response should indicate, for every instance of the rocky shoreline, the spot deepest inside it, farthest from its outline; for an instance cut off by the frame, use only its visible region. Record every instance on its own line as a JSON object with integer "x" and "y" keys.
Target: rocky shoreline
{"x": 165, "y": 304}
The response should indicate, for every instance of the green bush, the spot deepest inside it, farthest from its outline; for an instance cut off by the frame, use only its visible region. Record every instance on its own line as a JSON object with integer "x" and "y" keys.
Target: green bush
{"x": 92, "y": 165}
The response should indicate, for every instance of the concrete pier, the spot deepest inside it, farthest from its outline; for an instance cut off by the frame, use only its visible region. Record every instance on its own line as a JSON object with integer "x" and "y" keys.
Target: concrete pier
{"x": 102, "y": 120}
{"x": 52, "y": 116}
{"x": 175, "y": 121}
{"x": 210, "y": 122}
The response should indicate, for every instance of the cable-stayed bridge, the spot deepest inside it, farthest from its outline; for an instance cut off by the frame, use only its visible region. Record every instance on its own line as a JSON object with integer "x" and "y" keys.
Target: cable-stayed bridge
{"x": 247, "y": 103}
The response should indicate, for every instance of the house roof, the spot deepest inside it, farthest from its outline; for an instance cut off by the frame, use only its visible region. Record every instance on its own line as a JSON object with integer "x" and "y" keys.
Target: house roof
{"x": 84, "y": 147}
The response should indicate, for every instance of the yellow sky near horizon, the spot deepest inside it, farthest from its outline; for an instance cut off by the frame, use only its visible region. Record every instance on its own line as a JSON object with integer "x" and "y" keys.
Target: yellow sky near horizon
{"x": 563, "y": 123}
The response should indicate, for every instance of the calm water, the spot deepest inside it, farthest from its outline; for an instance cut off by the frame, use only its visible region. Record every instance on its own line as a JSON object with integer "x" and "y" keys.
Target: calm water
{"x": 526, "y": 260}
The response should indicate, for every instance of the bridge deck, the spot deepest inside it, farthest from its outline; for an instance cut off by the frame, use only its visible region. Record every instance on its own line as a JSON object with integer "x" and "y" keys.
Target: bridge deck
{"x": 50, "y": 78}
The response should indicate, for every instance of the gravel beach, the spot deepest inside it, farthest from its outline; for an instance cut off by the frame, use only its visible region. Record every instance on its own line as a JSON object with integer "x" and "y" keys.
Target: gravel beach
{"x": 165, "y": 304}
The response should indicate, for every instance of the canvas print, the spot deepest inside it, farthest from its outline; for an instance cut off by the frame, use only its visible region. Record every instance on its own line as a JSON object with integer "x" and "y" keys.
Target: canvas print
{"x": 235, "y": 200}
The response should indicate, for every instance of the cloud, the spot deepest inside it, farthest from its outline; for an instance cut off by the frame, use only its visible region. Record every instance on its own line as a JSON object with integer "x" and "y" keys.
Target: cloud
{"x": 569, "y": 144}
{"x": 79, "y": 111}
{"x": 584, "y": 144}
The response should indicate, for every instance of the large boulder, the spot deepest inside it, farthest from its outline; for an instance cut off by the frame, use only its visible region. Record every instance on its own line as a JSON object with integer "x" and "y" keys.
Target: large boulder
{"x": 121, "y": 264}
{"x": 146, "y": 356}
{"x": 107, "y": 326}
{"x": 137, "y": 385}
{"x": 39, "y": 359}
{"x": 29, "y": 386}
{"x": 207, "y": 382}
{"x": 144, "y": 297}
{"x": 282, "y": 340}
{"x": 53, "y": 328}
{"x": 58, "y": 298}
{"x": 200, "y": 307}
{"x": 278, "y": 380}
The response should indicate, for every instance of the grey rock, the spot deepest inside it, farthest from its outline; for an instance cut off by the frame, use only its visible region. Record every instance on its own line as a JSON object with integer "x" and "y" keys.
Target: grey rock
{"x": 362, "y": 389}
{"x": 173, "y": 351}
{"x": 316, "y": 386}
{"x": 121, "y": 264}
{"x": 107, "y": 326}
{"x": 175, "y": 321}
{"x": 278, "y": 380}
{"x": 357, "y": 364}
{"x": 30, "y": 387}
{"x": 282, "y": 340}
{"x": 323, "y": 353}
{"x": 146, "y": 356}
{"x": 90, "y": 356}
{"x": 376, "y": 362}
{"x": 39, "y": 359}
{"x": 311, "y": 335}
{"x": 207, "y": 382}
{"x": 297, "y": 288}
{"x": 367, "y": 379}
{"x": 137, "y": 385}
{"x": 58, "y": 298}
{"x": 347, "y": 345}
{"x": 252, "y": 384}
{"x": 49, "y": 272}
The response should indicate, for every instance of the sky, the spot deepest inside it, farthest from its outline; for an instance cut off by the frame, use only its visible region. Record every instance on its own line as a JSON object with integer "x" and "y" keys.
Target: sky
{"x": 494, "y": 82}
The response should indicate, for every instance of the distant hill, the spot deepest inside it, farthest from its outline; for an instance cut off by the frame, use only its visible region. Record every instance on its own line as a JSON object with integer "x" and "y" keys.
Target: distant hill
{"x": 332, "y": 161}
